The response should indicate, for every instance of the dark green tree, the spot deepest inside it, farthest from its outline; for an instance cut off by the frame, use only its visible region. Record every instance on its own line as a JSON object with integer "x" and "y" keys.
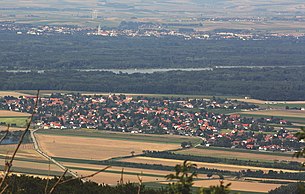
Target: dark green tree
{"x": 184, "y": 176}
{"x": 218, "y": 189}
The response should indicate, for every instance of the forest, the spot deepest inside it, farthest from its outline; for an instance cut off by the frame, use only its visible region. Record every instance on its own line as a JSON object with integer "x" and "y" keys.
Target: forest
{"x": 269, "y": 69}
{"x": 82, "y": 51}
{"x": 265, "y": 83}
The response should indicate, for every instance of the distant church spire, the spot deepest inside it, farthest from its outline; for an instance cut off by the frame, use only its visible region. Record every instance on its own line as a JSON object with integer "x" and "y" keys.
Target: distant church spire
{"x": 99, "y": 31}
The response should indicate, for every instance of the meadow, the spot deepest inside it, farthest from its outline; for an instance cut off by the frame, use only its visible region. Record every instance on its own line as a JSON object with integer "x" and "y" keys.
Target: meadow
{"x": 17, "y": 119}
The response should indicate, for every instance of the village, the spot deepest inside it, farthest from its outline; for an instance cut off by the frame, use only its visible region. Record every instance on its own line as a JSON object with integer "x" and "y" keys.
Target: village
{"x": 143, "y": 29}
{"x": 160, "y": 115}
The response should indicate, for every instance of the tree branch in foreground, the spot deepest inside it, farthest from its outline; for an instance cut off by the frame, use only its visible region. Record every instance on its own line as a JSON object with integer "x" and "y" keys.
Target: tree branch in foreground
{"x": 10, "y": 163}
{"x": 6, "y": 133}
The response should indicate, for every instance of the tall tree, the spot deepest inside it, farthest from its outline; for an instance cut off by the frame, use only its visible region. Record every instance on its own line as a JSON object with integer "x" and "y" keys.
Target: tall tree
{"x": 184, "y": 176}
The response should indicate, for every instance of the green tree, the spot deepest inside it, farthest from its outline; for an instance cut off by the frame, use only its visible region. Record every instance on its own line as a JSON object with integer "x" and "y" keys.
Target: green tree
{"x": 218, "y": 189}
{"x": 184, "y": 176}
{"x": 301, "y": 136}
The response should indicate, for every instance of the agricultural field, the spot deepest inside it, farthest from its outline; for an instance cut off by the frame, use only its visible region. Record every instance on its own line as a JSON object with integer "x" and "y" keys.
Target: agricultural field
{"x": 10, "y": 114}
{"x": 295, "y": 116}
{"x": 172, "y": 162}
{"x": 279, "y": 113}
{"x": 82, "y": 151}
{"x": 113, "y": 174}
{"x": 240, "y": 154}
{"x": 77, "y": 151}
{"x": 257, "y": 101}
{"x": 28, "y": 161}
{"x": 173, "y": 140}
{"x": 111, "y": 13}
{"x": 94, "y": 148}
{"x": 240, "y": 185}
{"x": 11, "y": 93}
{"x": 17, "y": 119}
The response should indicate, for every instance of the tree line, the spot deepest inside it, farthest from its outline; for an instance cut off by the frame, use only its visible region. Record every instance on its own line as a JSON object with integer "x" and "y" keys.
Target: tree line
{"x": 81, "y": 51}
{"x": 266, "y": 83}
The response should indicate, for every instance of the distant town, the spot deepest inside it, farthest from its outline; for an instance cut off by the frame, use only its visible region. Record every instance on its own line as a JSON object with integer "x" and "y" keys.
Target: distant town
{"x": 204, "y": 118}
{"x": 143, "y": 29}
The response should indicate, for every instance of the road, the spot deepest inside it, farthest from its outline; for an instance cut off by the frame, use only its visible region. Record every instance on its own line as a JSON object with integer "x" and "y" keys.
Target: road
{"x": 37, "y": 148}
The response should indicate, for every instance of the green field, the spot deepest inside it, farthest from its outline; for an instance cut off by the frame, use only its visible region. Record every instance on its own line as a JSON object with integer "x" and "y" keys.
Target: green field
{"x": 18, "y": 121}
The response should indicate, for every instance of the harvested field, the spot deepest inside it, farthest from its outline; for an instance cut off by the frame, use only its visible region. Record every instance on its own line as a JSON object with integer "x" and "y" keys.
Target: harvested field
{"x": 25, "y": 150}
{"x": 264, "y": 156}
{"x": 9, "y": 114}
{"x": 171, "y": 162}
{"x": 114, "y": 169}
{"x": 28, "y": 161}
{"x": 161, "y": 139}
{"x": 256, "y": 101}
{"x": 94, "y": 148}
{"x": 240, "y": 185}
{"x": 3, "y": 128}
{"x": 11, "y": 93}
{"x": 280, "y": 113}
{"x": 34, "y": 166}
{"x": 114, "y": 178}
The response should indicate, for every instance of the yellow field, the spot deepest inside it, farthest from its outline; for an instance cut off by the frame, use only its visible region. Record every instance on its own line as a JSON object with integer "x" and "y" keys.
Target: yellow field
{"x": 3, "y": 128}
{"x": 25, "y": 159}
{"x": 280, "y": 113}
{"x": 11, "y": 93}
{"x": 101, "y": 149}
{"x": 25, "y": 150}
{"x": 239, "y": 155}
{"x": 94, "y": 148}
{"x": 6, "y": 113}
{"x": 114, "y": 178}
{"x": 113, "y": 174}
{"x": 240, "y": 185}
{"x": 171, "y": 162}
{"x": 256, "y": 101}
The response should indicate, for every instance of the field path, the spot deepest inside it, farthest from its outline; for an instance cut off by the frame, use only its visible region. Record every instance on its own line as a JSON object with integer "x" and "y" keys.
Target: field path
{"x": 37, "y": 148}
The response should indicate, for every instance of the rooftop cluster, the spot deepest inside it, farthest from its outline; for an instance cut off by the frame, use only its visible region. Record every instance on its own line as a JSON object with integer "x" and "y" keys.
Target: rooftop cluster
{"x": 181, "y": 116}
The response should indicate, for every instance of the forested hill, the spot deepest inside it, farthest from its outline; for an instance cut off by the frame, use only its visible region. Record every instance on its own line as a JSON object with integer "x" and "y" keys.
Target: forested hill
{"x": 62, "y": 55}
{"x": 265, "y": 83}
{"x": 82, "y": 51}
